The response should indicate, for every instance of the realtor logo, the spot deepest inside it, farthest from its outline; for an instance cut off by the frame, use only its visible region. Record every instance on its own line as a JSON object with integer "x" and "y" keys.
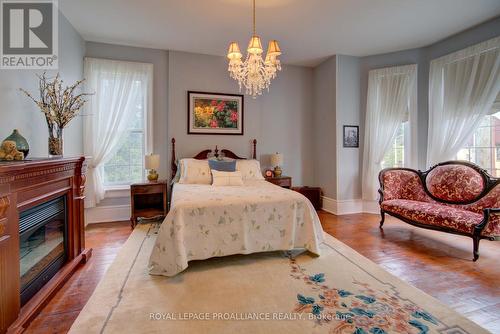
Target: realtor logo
{"x": 29, "y": 37}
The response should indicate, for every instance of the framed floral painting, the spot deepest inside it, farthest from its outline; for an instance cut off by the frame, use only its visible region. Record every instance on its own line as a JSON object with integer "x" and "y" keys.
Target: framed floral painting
{"x": 215, "y": 114}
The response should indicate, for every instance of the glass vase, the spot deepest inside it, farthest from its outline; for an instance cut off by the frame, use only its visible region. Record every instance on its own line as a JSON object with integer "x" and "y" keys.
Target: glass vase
{"x": 56, "y": 143}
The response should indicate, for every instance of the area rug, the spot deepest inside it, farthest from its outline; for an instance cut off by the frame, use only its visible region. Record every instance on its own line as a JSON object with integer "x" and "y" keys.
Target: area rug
{"x": 278, "y": 292}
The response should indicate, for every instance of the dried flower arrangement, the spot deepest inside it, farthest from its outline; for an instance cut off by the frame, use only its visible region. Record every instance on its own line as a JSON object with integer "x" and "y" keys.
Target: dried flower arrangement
{"x": 59, "y": 105}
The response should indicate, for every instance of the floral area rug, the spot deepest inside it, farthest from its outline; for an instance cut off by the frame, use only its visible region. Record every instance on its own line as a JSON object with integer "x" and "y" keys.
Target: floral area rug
{"x": 274, "y": 292}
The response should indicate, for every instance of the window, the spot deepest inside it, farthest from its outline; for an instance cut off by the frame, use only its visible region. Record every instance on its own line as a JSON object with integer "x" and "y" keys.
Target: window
{"x": 395, "y": 156}
{"x": 126, "y": 165}
{"x": 118, "y": 125}
{"x": 483, "y": 148}
{"x": 390, "y": 123}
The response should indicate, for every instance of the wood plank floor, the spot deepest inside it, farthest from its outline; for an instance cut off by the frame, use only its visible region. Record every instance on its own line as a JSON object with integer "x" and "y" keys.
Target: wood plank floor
{"x": 437, "y": 263}
{"x": 105, "y": 239}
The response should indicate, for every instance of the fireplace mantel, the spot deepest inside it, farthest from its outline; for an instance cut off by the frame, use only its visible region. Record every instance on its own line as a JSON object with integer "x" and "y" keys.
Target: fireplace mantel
{"x": 23, "y": 185}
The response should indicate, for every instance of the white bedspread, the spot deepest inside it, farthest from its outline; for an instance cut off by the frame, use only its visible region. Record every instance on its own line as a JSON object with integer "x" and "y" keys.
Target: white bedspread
{"x": 206, "y": 221}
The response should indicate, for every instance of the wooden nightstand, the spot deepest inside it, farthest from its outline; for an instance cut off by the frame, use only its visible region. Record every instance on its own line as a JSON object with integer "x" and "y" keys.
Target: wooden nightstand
{"x": 282, "y": 181}
{"x": 148, "y": 200}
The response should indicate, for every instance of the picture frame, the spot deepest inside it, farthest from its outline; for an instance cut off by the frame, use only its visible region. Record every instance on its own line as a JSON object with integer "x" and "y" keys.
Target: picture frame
{"x": 215, "y": 113}
{"x": 351, "y": 136}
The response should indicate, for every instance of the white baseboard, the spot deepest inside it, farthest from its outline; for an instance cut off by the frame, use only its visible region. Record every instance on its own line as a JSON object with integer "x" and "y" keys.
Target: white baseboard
{"x": 345, "y": 207}
{"x": 105, "y": 214}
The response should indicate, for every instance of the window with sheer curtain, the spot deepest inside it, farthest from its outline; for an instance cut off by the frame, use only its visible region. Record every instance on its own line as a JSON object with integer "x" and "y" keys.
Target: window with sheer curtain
{"x": 463, "y": 88}
{"x": 126, "y": 165}
{"x": 483, "y": 147}
{"x": 390, "y": 134}
{"x": 397, "y": 154}
{"x": 118, "y": 124}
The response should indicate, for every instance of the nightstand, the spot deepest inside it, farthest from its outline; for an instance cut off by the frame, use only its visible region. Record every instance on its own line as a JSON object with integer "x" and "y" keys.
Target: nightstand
{"x": 282, "y": 181}
{"x": 148, "y": 200}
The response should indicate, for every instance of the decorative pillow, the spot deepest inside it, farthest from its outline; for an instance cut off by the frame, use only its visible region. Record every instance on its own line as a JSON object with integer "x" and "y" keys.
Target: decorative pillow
{"x": 455, "y": 183}
{"x": 222, "y": 165}
{"x": 195, "y": 171}
{"x": 250, "y": 169}
{"x": 226, "y": 178}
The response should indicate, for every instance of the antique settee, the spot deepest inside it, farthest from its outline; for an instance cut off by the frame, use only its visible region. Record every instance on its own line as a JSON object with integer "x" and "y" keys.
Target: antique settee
{"x": 455, "y": 196}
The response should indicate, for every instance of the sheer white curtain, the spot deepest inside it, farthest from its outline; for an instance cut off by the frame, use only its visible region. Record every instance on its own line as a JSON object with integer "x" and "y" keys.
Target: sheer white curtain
{"x": 109, "y": 112}
{"x": 462, "y": 88}
{"x": 392, "y": 99}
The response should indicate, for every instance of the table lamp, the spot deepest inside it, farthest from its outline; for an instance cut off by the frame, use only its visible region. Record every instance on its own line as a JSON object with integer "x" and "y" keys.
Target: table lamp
{"x": 152, "y": 162}
{"x": 276, "y": 162}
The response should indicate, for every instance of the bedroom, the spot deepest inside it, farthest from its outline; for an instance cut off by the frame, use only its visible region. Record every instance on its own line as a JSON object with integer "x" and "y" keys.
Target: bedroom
{"x": 165, "y": 175}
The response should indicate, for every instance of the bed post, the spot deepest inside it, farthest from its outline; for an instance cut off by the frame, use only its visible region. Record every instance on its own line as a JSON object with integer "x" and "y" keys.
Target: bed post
{"x": 254, "y": 151}
{"x": 173, "y": 166}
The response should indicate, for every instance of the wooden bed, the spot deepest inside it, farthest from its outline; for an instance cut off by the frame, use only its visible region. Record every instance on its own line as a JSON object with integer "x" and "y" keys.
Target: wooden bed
{"x": 205, "y": 154}
{"x": 206, "y": 221}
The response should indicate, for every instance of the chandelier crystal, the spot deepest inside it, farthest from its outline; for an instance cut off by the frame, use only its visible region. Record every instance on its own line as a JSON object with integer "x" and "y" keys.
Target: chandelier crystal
{"x": 255, "y": 73}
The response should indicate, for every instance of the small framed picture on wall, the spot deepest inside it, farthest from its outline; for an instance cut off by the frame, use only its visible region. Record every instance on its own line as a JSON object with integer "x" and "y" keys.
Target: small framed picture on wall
{"x": 215, "y": 113}
{"x": 351, "y": 136}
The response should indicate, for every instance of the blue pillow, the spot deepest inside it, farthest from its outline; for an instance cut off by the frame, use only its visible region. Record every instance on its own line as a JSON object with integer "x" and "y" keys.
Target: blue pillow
{"x": 222, "y": 165}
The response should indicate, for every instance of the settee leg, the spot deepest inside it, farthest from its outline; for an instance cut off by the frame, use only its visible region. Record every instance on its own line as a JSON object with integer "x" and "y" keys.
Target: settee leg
{"x": 476, "y": 240}
{"x": 382, "y": 215}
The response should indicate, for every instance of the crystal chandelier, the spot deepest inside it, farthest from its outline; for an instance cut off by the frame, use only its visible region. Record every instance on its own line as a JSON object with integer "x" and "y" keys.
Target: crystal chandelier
{"x": 254, "y": 73}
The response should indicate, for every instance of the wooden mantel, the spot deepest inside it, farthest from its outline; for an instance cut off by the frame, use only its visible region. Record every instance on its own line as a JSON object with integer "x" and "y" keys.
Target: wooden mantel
{"x": 23, "y": 185}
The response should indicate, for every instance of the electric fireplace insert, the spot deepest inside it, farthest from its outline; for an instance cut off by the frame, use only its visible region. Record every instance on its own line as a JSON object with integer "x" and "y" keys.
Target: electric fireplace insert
{"x": 43, "y": 244}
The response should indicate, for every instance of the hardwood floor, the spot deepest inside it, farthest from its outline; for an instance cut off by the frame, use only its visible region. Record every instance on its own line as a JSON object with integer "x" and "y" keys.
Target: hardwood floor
{"x": 437, "y": 263}
{"x": 106, "y": 240}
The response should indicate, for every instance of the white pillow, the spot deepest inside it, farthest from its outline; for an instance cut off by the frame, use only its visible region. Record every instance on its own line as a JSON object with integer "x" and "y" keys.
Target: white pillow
{"x": 226, "y": 178}
{"x": 250, "y": 169}
{"x": 195, "y": 171}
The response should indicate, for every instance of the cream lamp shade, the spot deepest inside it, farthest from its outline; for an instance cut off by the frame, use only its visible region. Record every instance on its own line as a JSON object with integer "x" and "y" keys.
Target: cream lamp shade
{"x": 276, "y": 159}
{"x": 273, "y": 49}
{"x": 255, "y": 46}
{"x": 234, "y": 51}
{"x": 152, "y": 161}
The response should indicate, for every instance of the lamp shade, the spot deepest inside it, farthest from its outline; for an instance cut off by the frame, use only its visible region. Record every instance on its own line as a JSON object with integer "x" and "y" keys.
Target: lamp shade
{"x": 255, "y": 46}
{"x": 273, "y": 49}
{"x": 152, "y": 161}
{"x": 276, "y": 159}
{"x": 234, "y": 51}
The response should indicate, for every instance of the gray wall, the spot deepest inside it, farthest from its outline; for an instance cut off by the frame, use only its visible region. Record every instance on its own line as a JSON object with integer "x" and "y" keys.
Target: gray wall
{"x": 280, "y": 120}
{"x": 422, "y": 58}
{"x": 340, "y": 92}
{"x": 336, "y": 96}
{"x": 159, "y": 59}
{"x": 17, "y": 111}
{"x": 348, "y": 113}
{"x": 324, "y": 133}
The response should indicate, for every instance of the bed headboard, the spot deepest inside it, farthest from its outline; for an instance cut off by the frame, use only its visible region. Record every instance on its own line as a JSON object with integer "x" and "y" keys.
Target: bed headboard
{"x": 205, "y": 155}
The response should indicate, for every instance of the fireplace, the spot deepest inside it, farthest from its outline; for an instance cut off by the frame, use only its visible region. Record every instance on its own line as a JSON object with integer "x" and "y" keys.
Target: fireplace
{"x": 43, "y": 245}
{"x": 42, "y": 236}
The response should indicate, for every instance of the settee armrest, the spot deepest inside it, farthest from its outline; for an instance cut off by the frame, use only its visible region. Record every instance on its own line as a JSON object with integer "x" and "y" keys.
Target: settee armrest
{"x": 490, "y": 226}
{"x": 401, "y": 183}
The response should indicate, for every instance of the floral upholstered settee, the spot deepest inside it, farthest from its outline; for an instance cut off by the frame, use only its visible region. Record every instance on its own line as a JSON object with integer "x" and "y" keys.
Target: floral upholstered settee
{"x": 454, "y": 196}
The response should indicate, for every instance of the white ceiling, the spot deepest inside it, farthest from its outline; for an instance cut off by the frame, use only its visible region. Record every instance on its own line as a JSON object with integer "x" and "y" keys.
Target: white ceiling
{"x": 308, "y": 30}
